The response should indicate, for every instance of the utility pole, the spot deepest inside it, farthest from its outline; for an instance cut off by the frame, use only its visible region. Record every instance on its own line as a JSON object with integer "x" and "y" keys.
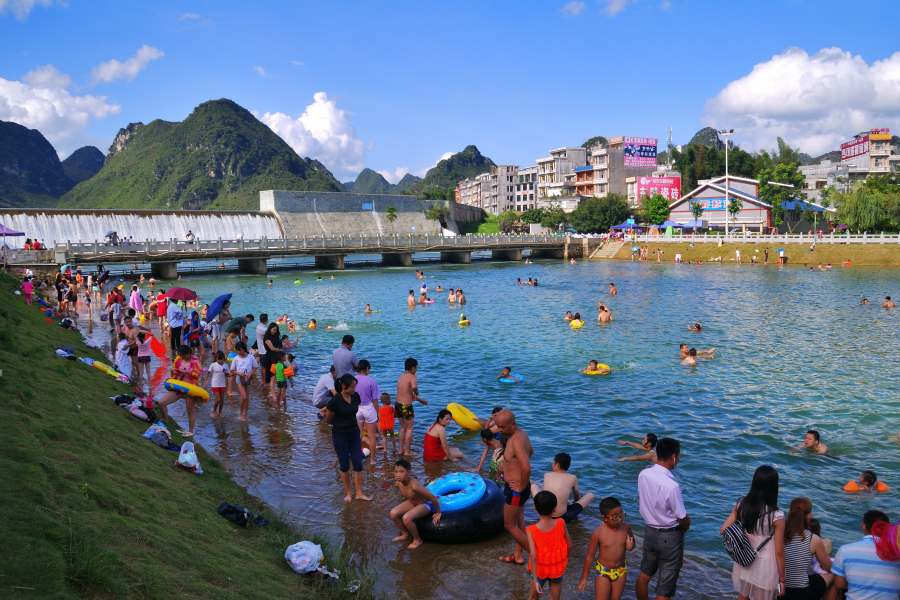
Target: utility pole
{"x": 726, "y": 133}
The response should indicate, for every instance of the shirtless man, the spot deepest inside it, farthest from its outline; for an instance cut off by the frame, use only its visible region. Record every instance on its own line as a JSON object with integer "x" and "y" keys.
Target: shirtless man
{"x": 462, "y": 297}
{"x": 888, "y": 303}
{"x": 418, "y": 502}
{"x": 811, "y": 443}
{"x": 407, "y": 392}
{"x": 517, "y": 473}
{"x": 131, "y": 331}
{"x": 691, "y": 358}
{"x": 648, "y": 445}
{"x": 411, "y": 299}
{"x": 451, "y": 297}
{"x": 604, "y": 316}
{"x": 684, "y": 351}
{"x": 568, "y": 316}
{"x": 561, "y": 483}
{"x": 612, "y": 289}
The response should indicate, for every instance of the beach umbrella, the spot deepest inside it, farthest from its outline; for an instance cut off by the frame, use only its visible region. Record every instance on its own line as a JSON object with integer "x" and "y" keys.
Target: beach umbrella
{"x": 634, "y": 248}
{"x": 780, "y": 250}
{"x": 109, "y": 233}
{"x": 180, "y": 293}
{"x": 215, "y": 307}
{"x": 103, "y": 277}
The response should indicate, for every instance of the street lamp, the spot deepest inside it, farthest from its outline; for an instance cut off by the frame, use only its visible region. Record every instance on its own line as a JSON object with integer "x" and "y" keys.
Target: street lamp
{"x": 726, "y": 133}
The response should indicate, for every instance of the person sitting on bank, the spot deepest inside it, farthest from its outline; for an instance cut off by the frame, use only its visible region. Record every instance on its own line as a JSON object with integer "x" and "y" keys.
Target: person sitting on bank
{"x": 648, "y": 445}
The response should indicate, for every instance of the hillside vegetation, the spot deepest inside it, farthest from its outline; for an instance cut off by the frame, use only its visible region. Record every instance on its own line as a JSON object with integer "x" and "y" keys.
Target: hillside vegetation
{"x": 450, "y": 171}
{"x": 30, "y": 171}
{"x": 220, "y": 157}
{"x": 83, "y": 164}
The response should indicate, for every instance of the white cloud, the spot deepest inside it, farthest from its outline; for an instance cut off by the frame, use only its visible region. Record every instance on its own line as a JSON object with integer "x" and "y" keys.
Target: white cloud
{"x": 21, "y": 8}
{"x": 814, "y": 102}
{"x": 113, "y": 69}
{"x": 614, "y": 7}
{"x": 666, "y": 5}
{"x": 297, "y": 63}
{"x": 424, "y": 170}
{"x": 260, "y": 70}
{"x": 572, "y": 9}
{"x": 42, "y": 101}
{"x": 324, "y": 132}
{"x": 187, "y": 16}
{"x": 396, "y": 176}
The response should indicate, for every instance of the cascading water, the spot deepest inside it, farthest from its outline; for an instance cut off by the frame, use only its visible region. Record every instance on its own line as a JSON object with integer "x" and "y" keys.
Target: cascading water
{"x": 89, "y": 225}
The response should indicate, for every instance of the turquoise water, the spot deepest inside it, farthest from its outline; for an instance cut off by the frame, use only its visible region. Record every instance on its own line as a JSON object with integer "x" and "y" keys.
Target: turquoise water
{"x": 794, "y": 350}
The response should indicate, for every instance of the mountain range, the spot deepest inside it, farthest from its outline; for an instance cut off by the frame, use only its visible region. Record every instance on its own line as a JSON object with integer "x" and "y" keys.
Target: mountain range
{"x": 450, "y": 171}
{"x": 371, "y": 182}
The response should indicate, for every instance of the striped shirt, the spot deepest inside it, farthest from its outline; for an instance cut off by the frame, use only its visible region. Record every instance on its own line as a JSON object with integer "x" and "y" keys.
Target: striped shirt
{"x": 797, "y": 558}
{"x": 869, "y": 577}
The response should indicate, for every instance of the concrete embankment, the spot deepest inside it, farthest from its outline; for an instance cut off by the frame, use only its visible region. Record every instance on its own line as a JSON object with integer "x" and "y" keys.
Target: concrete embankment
{"x": 859, "y": 255}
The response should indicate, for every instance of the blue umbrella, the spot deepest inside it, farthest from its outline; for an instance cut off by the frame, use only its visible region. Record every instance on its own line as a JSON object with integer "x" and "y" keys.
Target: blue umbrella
{"x": 634, "y": 248}
{"x": 109, "y": 233}
{"x": 215, "y": 307}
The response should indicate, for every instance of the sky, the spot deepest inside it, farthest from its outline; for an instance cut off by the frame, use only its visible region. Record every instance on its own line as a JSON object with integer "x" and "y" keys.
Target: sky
{"x": 396, "y": 86}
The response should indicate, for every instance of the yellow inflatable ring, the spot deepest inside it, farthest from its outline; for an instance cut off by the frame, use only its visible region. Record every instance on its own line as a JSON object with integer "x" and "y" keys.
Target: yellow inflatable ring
{"x": 602, "y": 370}
{"x": 463, "y": 417}
{"x": 576, "y": 324}
{"x": 464, "y": 323}
{"x": 183, "y": 387}
{"x": 105, "y": 368}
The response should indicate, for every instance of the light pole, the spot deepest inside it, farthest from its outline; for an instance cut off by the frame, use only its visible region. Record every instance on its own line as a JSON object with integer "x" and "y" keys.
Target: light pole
{"x": 726, "y": 133}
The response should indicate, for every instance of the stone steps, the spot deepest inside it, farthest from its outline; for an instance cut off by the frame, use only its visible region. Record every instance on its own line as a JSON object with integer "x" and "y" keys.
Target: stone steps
{"x": 607, "y": 250}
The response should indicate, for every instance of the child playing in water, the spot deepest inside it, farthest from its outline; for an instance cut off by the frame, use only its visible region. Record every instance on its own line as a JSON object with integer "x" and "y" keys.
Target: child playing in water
{"x": 506, "y": 374}
{"x": 549, "y": 545}
{"x": 613, "y": 539}
{"x": 418, "y": 503}
{"x": 493, "y": 445}
{"x": 563, "y": 484}
{"x": 593, "y": 367}
{"x": 648, "y": 445}
{"x": 868, "y": 482}
{"x": 386, "y": 421}
{"x": 280, "y": 378}
{"x": 220, "y": 372}
{"x": 368, "y": 309}
{"x": 695, "y": 326}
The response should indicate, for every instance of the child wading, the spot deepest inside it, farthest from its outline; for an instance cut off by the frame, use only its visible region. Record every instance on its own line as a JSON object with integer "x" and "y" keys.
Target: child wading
{"x": 386, "y": 421}
{"x": 220, "y": 372}
{"x": 549, "y": 545}
{"x": 612, "y": 539}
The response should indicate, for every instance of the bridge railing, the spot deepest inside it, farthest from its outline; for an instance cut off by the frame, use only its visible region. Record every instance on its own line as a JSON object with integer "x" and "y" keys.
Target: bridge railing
{"x": 413, "y": 243}
{"x": 769, "y": 238}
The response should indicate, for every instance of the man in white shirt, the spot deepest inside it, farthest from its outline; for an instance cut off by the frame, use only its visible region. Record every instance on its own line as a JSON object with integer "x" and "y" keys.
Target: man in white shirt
{"x": 324, "y": 391}
{"x": 264, "y": 362}
{"x": 662, "y": 508}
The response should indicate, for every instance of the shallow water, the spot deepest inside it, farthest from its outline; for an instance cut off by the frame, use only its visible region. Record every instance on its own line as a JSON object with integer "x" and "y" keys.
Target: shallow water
{"x": 793, "y": 351}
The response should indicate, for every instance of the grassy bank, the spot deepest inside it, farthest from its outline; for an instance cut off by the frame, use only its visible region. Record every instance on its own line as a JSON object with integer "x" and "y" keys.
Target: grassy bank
{"x": 486, "y": 225}
{"x": 94, "y": 510}
{"x": 859, "y": 255}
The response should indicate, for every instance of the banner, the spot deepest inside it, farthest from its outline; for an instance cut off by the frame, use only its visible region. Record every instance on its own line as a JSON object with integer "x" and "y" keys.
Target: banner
{"x": 668, "y": 187}
{"x": 855, "y": 147}
{"x": 711, "y": 203}
{"x": 640, "y": 152}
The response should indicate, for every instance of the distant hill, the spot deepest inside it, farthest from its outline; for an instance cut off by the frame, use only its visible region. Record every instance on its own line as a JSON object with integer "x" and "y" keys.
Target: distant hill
{"x": 834, "y": 156}
{"x": 30, "y": 171}
{"x": 348, "y": 185}
{"x": 219, "y": 157}
{"x": 83, "y": 164}
{"x": 594, "y": 140}
{"x": 370, "y": 182}
{"x": 708, "y": 136}
{"x": 407, "y": 182}
{"x": 450, "y": 171}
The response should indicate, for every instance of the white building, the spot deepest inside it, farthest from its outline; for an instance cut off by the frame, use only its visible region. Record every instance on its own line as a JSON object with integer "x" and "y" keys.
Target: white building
{"x": 552, "y": 171}
{"x": 525, "y": 188}
{"x": 826, "y": 174}
{"x": 867, "y": 154}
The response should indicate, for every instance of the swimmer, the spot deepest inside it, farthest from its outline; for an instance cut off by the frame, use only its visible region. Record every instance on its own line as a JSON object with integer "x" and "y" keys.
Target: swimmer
{"x": 612, "y": 289}
{"x": 423, "y": 298}
{"x": 332, "y": 277}
{"x": 461, "y": 298}
{"x": 518, "y": 281}
{"x": 419, "y": 275}
{"x": 418, "y": 502}
{"x": 368, "y": 309}
{"x": 594, "y": 366}
{"x": 868, "y": 482}
{"x": 271, "y": 282}
{"x": 684, "y": 351}
{"x": 535, "y": 282}
{"x": 411, "y": 299}
{"x": 568, "y": 316}
{"x": 648, "y": 445}
{"x": 506, "y": 373}
{"x": 695, "y": 326}
{"x": 576, "y": 321}
{"x": 888, "y": 303}
{"x": 562, "y": 483}
{"x": 821, "y": 268}
{"x": 463, "y": 320}
{"x": 451, "y": 297}
{"x": 690, "y": 360}
{"x": 529, "y": 282}
{"x": 811, "y": 444}
{"x": 312, "y": 324}
{"x": 283, "y": 319}
{"x": 572, "y": 261}
{"x": 439, "y": 289}
{"x": 604, "y": 316}
{"x": 865, "y": 302}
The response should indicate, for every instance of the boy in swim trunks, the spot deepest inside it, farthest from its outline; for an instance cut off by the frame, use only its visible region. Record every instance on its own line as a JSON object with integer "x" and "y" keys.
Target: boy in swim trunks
{"x": 561, "y": 484}
{"x": 505, "y": 374}
{"x": 407, "y": 393}
{"x": 613, "y": 539}
{"x": 418, "y": 503}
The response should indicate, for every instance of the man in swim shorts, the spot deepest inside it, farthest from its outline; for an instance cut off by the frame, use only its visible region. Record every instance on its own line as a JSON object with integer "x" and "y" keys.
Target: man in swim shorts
{"x": 561, "y": 483}
{"x": 407, "y": 393}
{"x": 517, "y": 473}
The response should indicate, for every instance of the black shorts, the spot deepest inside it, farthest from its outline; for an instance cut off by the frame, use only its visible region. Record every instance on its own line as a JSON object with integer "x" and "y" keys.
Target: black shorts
{"x": 143, "y": 359}
{"x": 194, "y": 343}
{"x": 815, "y": 591}
{"x": 572, "y": 512}
{"x": 516, "y": 498}
{"x": 281, "y": 385}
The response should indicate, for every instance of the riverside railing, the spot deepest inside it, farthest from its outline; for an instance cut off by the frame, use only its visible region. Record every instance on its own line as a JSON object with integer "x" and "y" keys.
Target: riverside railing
{"x": 376, "y": 244}
{"x": 768, "y": 238}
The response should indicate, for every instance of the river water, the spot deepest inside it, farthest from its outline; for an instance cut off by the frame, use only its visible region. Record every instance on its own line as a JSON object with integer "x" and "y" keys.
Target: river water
{"x": 794, "y": 350}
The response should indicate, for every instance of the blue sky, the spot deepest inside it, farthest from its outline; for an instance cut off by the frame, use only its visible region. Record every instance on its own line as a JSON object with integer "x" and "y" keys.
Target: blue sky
{"x": 394, "y": 86}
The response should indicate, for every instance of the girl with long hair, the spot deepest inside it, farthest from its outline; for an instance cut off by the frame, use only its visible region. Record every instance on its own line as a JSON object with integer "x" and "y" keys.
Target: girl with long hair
{"x": 800, "y": 545}
{"x": 436, "y": 448}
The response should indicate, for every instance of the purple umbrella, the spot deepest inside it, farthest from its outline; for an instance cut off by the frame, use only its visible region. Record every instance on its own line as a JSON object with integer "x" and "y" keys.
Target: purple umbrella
{"x": 6, "y": 231}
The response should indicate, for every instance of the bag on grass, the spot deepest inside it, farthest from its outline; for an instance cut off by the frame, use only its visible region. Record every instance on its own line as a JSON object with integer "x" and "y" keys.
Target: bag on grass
{"x": 236, "y": 514}
{"x": 187, "y": 459}
{"x": 123, "y": 400}
{"x": 67, "y": 322}
{"x": 304, "y": 557}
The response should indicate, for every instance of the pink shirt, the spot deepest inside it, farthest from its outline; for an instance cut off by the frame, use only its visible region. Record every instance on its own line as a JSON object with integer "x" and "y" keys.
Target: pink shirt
{"x": 28, "y": 287}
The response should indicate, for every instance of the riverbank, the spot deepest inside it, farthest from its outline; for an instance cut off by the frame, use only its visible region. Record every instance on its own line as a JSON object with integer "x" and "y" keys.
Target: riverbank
{"x": 859, "y": 255}
{"x": 95, "y": 510}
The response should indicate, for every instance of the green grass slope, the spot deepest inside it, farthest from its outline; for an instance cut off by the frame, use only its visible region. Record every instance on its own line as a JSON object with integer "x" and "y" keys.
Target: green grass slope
{"x": 94, "y": 510}
{"x": 220, "y": 157}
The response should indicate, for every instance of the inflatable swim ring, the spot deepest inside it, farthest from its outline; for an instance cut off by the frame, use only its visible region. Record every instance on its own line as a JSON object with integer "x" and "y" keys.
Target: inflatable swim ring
{"x": 510, "y": 378}
{"x": 576, "y": 324}
{"x": 183, "y": 387}
{"x": 428, "y": 302}
{"x": 465, "y": 323}
{"x": 601, "y": 370}
{"x": 480, "y": 521}
{"x": 457, "y": 491}
{"x": 298, "y": 281}
{"x": 463, "y": 417}
{"x": 230, "y": 357}
{"x": 105, "y": 368}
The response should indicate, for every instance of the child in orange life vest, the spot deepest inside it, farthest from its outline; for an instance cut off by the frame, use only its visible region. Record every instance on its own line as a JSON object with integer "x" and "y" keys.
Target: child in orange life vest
{"x": 549, "y": 545}
{"x": 613, "y": 539}
{"x": 868, "y": 482}
{"x": 386, "y": 421}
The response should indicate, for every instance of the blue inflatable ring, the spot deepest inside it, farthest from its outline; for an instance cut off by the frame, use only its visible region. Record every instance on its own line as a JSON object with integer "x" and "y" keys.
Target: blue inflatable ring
{"x": 510, "y": 378}
{"x": 457, "y": 491}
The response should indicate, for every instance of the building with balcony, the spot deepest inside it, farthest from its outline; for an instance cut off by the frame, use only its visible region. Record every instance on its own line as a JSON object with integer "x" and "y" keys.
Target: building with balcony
{"x": 608, "y": 174}
{"x": 870, "y": 153}
{"x": 474, "y": 191}
{"x": 501, "y": 190}
{"x": 526, "y": 180}
{"x": 552, "y": 171}
{"x": 823, "y": 175}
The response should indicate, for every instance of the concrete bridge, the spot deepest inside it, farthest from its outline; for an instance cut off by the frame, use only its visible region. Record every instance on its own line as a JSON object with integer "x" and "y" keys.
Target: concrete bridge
{"x": 328, "y": 252}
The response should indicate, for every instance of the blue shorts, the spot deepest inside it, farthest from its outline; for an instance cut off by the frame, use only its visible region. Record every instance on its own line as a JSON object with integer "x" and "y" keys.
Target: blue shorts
{"x": 429, "y": 505}
{"x": 542, "y": 582}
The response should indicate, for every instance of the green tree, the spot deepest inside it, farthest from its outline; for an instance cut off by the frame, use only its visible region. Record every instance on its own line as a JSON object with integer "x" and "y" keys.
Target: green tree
{"x": 696, "y": 210}
{"x": 735, "y": 204}
{"x": 554, "y": 216}
{"x": 433, "y": 214}
{"x": 775, "y": 194}
{"x": 596, "y": 215}
{"x": 655, "y": 208}
{"x": 390, "y": 214}
{"x": 532, "y": 215}
{"x": 861, "y": 208}
{"x": 506, "y": 220}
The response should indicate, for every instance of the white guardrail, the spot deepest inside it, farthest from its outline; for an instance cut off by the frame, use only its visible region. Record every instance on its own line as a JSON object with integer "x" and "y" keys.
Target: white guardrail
{"x": 411, "y": 242}
{"x": 769, "y": 238}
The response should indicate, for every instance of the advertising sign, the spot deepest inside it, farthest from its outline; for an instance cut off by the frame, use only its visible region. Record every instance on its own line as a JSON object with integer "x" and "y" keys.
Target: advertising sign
{"x": 855, "y": 147}
{"x": 711, "y": 203}
{"x": 640, "y": 152}
{"x": 668, "y": 187}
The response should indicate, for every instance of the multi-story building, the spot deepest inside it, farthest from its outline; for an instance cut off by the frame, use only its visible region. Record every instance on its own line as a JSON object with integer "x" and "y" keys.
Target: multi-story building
{"x": 869, "y": 153}
{"x": 823, "y": 175}
{"x": 474, "y": 191}
{"x": 552, "y": 171}
{"x": 501, "y": 194}
{"x": 525, "y": 188}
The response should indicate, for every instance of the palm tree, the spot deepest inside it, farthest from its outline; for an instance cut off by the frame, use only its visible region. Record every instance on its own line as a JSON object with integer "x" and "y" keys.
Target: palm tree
{"x": 390, "y": 213}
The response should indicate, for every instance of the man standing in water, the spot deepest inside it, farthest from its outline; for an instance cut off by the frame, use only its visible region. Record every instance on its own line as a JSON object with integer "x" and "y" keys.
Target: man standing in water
{"x": 517, "y": 473}
{"x": 407, "y": 392}
{"x": 411, "y": 299}
{"x": 612, "y": 289}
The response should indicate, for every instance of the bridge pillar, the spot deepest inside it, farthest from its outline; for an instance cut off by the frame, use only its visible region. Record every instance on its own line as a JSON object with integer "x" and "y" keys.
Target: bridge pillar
{"x": 252, "y": 266}
{"x": 399, "y": 259}
{"x": 460, "y": 258}
{"x": 546, "y": 253}
{"x": 513, "y": 255}
{"x": 164, "y": 270}
{"x": 333, "y": 262}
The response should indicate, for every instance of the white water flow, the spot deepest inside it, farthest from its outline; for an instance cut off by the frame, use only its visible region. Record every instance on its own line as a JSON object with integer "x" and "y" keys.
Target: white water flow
{"x": 86, "y": 226}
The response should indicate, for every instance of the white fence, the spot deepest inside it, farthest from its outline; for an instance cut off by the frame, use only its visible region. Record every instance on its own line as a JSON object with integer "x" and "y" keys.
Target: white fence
{"x": 770, "y": 238}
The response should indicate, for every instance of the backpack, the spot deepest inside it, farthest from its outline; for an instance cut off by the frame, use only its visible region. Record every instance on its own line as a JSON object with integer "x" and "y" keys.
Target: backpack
{"x": 236, "y": 514}
{"x": 123, "y": 400}
{"x": 67, "y": 323}
{"x": 738, "y": 546}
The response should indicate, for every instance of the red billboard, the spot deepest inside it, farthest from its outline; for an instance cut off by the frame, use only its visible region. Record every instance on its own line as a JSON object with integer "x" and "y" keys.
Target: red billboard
{"x": 640, "y": 151}
{"x": 669, "y": 187}
{"x": 855, "y": 147}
